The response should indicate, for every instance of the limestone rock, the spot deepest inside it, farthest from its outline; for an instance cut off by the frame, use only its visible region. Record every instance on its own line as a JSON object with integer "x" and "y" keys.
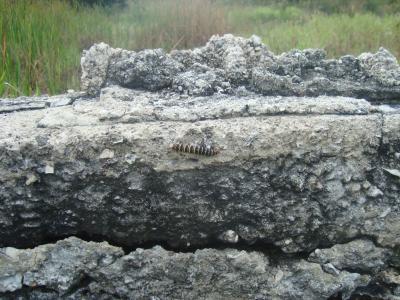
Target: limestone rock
{"x": 359, "y": 255}
{"x": 76, "y": 269}
{"x": 298, "y": 166}
{"x": 233, "y": 62}
{"x": 299, "y": 200}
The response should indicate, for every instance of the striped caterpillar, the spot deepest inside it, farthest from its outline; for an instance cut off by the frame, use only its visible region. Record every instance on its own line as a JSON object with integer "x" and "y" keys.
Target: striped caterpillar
{"x": 196, "y": 149}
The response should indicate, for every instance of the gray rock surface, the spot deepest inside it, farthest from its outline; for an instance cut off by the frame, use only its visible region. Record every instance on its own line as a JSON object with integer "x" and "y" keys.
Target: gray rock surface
{"x": 360, "y": 255}
{"x": 39, "y": 102}
{"x": 300, "y": 201}
{"x": 227, "y": 63}
{"x": 309, "y": 172}
{"x": 75, "y": 269}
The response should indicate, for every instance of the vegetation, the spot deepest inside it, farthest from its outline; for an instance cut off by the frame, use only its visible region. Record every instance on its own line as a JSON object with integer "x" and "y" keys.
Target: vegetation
{"x": 99, "y": 2}
{"x": 41, "y": 40}
{"x": 339, "y": 34}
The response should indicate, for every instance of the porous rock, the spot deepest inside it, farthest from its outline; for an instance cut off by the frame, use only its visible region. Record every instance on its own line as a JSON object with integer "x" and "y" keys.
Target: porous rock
{"x": 233, "y": 62}
{"x": 302, "y": 178}
{"x": 76, "y": 269}
{"x": 359, "y": 255}
{"x": 149, "y": 69}
{"x": 303, "y": 188}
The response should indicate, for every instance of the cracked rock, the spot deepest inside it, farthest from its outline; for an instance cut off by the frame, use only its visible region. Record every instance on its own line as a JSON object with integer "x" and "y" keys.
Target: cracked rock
{"x": 73, "y": 268}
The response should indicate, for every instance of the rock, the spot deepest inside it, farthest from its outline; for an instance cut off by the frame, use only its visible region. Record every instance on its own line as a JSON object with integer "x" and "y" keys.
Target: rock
{"x": 269, "y": 83}
{"x": 279, "y": 157}
{"x": 233, "y": 62}
{"x": 148, "y": 69}
{"x": 197, "y": 83}
{"x": 382, "y": 66}
{"x": 374, "y": 192}
{"x": 287, "y": 176}
{"x": 58, "y": 267}
{"x": 31, "y": 178}
{"x": 393, "y": 172}
{"x": 38, "y": 102}
{"x": 229, "y": 236}
{"x": 73, "y": 268}
{"x": 107, "y": 153}
{"x": 331, "y": 269}
{"x": 94, "y": 63}
{"x": 49, "y": 168}
{"x": 63, "y": 118}
{"x": 360, "y": 256}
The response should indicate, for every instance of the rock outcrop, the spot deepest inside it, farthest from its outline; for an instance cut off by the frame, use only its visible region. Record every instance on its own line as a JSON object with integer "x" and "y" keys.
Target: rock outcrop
{"x": 301, "y": 200}
{"x": 228, "y": 63}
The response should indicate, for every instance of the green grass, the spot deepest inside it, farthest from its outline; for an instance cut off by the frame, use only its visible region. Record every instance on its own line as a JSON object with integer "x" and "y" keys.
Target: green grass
{"x": 41, "y": 40}
{"x": 259, "y": 15}
{"x": 30, "y": 55}
{"x": 339, "y": 34}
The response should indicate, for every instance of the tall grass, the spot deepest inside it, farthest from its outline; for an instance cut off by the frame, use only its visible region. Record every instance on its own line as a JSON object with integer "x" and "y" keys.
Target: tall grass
{"x": 41, "y": 43}
{"x": 41, "y": 40}
{"x": 34, "y": 57}
{"x": 339, "y": 34}
{"x": 178, "y": 23}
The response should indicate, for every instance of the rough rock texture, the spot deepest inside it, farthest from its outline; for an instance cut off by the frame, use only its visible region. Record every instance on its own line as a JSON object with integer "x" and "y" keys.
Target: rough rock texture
{"x": 227, "y": 63}
{"x": 297, "y": 173}
{"x": 360, "y": 255}
{"x": 40, "y": 102}
{"x": 301, "y": 202}
{"x": 309, "y": 172}
{"x": 76, "y": 269}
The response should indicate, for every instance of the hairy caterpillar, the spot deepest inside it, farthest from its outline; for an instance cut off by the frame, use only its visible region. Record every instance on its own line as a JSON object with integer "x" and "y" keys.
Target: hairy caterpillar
{"x": 196, "y": 149}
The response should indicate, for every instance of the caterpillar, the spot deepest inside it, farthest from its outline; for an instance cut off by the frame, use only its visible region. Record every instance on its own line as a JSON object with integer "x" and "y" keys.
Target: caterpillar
{"x": 196, "y": 149}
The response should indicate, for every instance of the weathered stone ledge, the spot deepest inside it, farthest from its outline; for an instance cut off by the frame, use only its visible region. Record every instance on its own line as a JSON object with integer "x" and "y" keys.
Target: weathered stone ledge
{"x": 294, "y": 181}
